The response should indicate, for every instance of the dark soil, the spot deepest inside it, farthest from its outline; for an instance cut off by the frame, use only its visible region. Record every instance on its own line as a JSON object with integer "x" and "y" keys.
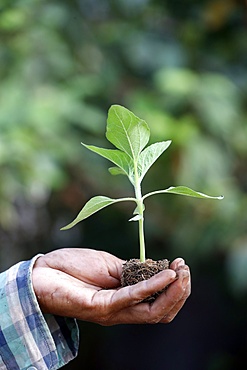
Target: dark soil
{"x": 135, "y": 271}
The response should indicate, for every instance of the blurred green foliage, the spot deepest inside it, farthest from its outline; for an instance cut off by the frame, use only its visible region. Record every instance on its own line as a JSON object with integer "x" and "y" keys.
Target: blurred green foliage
{"x": 181, "y": 66}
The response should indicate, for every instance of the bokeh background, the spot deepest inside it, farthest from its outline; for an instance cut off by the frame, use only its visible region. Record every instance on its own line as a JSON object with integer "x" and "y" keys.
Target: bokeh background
{"x": 181, "y": 66}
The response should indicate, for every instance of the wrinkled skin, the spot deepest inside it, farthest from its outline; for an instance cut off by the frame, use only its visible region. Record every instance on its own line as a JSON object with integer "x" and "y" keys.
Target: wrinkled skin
{"x": 85, "y": 284}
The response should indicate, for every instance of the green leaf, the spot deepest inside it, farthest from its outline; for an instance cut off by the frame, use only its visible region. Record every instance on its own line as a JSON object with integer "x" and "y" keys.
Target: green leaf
{"x": 149, "y": 155}
{"x": 183, "y": 190}
{"x": 94, "y": 205}
{"x": 126, "y": 131}
{"x": 119, "y": 158}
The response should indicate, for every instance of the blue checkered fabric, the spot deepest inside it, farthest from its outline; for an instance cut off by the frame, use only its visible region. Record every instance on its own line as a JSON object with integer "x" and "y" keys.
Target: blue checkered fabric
{"x": 27, "y": 337}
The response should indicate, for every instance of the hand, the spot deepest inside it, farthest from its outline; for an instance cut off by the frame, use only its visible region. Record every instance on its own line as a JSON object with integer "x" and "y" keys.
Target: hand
{"x": 85, "y": 284}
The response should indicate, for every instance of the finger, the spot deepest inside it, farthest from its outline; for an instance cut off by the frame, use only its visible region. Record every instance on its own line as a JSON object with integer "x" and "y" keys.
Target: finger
{"x": 174, "y": 312}
{"x": 125, "y": 306}
{"x": 177, "y": 263}
{"x": 165, "y": 305}
{"x": 131, "y": 295}
{"x": 184, "y": 284}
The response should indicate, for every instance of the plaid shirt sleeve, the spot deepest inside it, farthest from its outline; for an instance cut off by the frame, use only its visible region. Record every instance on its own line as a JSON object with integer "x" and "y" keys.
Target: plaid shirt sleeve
{"x": 28, "y": 339}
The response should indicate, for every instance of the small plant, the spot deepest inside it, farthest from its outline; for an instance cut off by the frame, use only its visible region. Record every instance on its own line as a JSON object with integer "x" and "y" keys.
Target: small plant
{"x": 130, "y": 135}
{"x": 132, "y": 158}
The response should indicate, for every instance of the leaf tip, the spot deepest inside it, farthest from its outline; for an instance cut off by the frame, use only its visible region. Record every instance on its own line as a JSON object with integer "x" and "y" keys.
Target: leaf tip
{"x": 63, "y": 228}
{"x": 67, "y": 227}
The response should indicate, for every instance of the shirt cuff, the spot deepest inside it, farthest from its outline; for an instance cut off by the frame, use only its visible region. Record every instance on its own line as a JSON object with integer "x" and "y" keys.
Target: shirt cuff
{"x": 27, "y": 337}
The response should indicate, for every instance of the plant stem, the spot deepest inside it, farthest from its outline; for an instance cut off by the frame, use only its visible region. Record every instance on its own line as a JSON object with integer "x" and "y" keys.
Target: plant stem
{"x": 140, "y": 211}
{"x": 141, "y": 239}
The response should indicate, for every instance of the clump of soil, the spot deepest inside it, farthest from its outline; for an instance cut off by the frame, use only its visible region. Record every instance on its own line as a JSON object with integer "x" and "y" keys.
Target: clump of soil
{"x": 135, "y": 271}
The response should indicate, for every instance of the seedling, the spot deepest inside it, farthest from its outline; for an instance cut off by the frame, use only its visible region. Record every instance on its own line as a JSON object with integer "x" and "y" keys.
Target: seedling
{"x": 132, "y": 158}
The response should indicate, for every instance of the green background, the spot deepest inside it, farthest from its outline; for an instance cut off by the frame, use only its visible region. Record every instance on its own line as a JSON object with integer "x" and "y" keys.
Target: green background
{"x": 181, "y": 66}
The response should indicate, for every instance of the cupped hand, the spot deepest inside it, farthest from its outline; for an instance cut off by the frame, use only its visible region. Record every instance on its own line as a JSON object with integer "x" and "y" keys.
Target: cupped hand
{"x": 85, "y": 284}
